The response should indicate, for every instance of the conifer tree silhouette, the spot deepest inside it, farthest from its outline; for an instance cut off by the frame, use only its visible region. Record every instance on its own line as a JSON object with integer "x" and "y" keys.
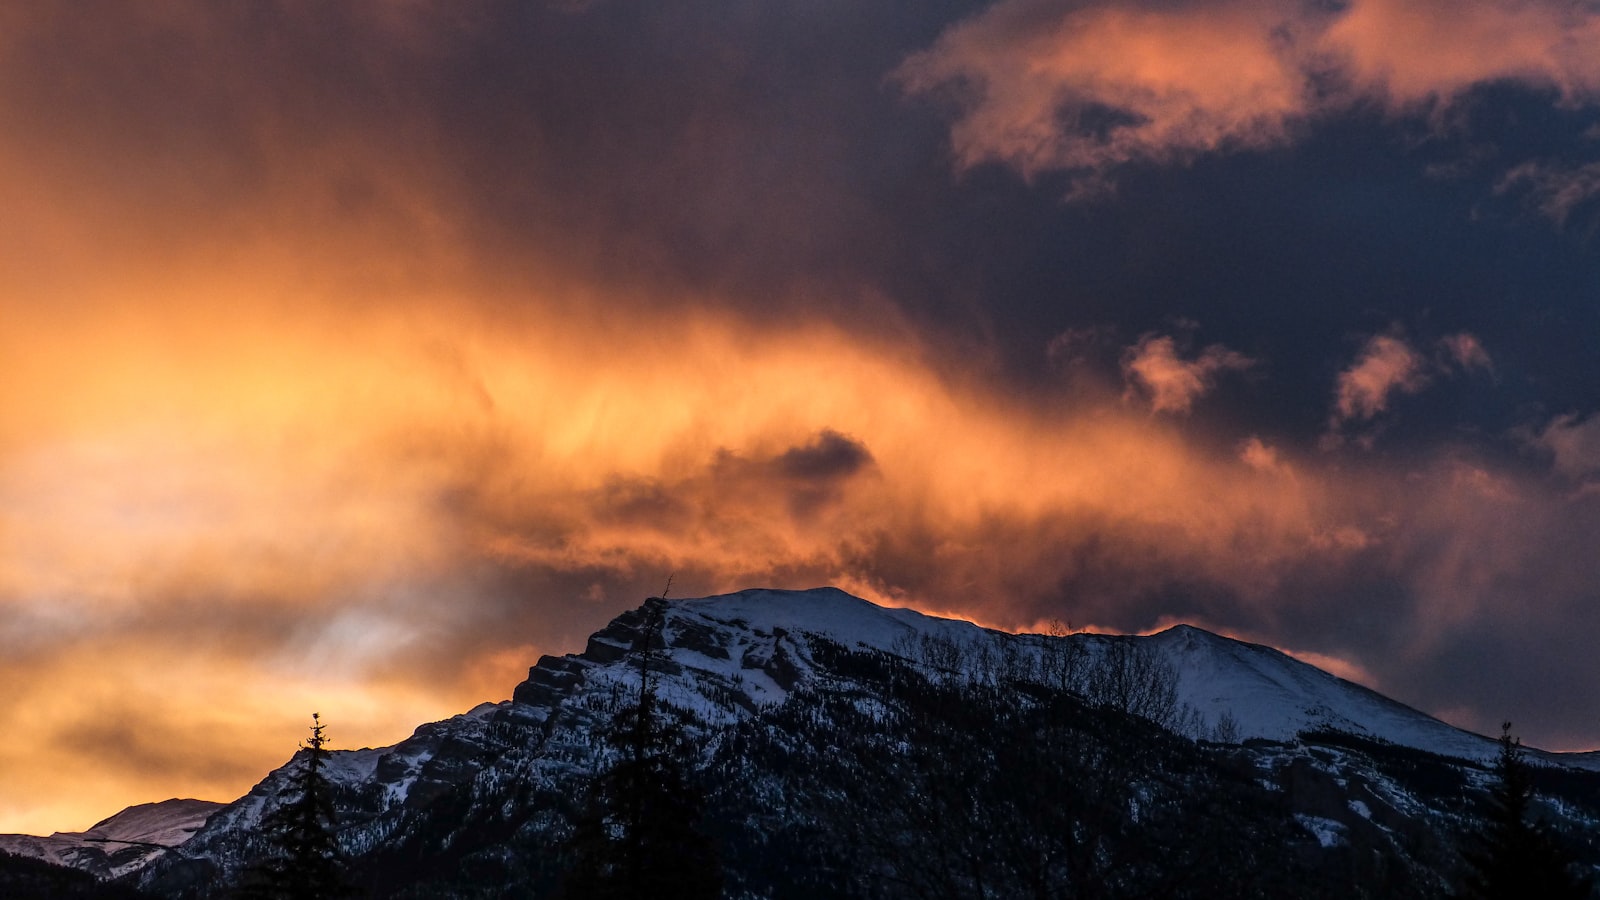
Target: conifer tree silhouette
{"x": 303, "y": 860}
{"x": 1512, "y": 856}
{"x": 638, "y": 835}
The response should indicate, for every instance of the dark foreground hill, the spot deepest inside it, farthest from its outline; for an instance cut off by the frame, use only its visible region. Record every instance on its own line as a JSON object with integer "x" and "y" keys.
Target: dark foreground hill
{"x": 840, "y": 749}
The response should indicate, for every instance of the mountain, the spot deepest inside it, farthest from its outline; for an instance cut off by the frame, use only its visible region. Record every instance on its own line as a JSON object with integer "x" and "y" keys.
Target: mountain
{"x": 123, "y": 843}
{"x": 848, "y": 749}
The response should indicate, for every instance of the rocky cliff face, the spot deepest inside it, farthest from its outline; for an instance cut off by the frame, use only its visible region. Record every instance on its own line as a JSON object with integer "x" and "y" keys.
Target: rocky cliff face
{"x": 796, "y": 699}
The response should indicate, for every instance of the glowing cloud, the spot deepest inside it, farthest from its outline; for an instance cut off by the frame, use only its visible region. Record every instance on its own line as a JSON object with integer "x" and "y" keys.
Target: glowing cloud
{"x": 1046, "y": 85}
{"x": 1172, "y": 383}
{"x": 1417, "y": 52}
{"x": 1259, "y": 455}
{"x": 1386, "y": 366}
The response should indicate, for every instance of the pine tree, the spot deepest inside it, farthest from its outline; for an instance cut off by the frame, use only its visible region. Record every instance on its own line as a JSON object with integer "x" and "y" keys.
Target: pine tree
{"x": 1511, "y": 856}
{"x": 638, "y": 835}
{"x": 303, "y": 860}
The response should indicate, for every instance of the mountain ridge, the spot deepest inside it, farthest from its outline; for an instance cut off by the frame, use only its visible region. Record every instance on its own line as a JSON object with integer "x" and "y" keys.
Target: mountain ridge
{"x": 727, "y": 661}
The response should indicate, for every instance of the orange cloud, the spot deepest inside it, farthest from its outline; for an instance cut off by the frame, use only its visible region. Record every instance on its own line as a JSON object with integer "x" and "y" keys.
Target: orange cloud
{"x": 1053, "y": 86}
{"x": 1387, "y": 365}
{"x": 1041, "y": 85}
{"x": 1259, "y": 455}
{"x": 1414, "y": 52}
{"x": 1171, "y": 382}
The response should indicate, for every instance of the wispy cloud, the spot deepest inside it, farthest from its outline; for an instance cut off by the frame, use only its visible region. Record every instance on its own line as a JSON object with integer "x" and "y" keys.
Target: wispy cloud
{"x": 1555, "y": 190}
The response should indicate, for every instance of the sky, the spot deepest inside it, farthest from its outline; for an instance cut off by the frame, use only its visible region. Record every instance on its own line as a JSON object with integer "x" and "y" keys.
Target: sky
{"x": 355, "y": 355}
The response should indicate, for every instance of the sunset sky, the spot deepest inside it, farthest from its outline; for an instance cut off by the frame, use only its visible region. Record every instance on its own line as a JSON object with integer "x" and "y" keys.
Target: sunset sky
{"x": 353, "y": 355}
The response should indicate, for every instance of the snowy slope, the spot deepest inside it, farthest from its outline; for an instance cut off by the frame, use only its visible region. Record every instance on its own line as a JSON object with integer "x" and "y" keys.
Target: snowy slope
{"x": 120, "y": 844}
{"x": 1275, "y": 696}
{"x": 1267, "y": 693}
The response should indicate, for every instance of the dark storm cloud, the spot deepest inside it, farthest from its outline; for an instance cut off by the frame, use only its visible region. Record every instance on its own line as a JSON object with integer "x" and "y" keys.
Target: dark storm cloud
{"x": 830, "y": 457}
